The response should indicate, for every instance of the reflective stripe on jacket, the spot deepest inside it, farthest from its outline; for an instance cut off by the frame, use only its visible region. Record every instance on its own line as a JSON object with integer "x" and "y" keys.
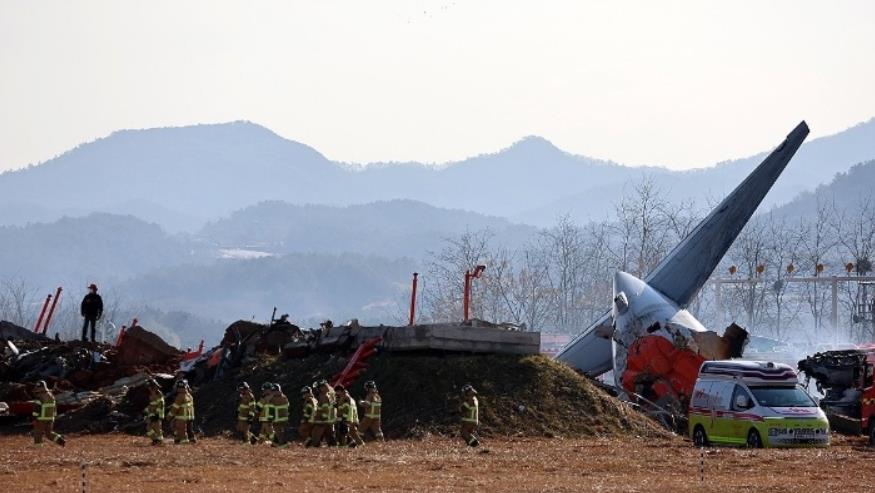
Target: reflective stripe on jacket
{"x": 183, "y": 407}
{"x": 265, "y": 411}
{"x": 308, "y": 412}
{"x": 470, "y": 411}
{"x": 246, "y": 408}
{"x": 156, "y": 407}
{"x": 47, "y": 410}
{"x": 324, "y": 414}
{"x": 347, "y": 410}
{"x": 281, "y": 409}
{"x": 373, "y": 407}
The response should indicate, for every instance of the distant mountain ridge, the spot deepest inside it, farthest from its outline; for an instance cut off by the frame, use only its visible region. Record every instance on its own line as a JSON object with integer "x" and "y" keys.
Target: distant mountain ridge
{"x": 396, "y": 228}
{"x": 848, "y": 191}
{"x": 183, "y": 177}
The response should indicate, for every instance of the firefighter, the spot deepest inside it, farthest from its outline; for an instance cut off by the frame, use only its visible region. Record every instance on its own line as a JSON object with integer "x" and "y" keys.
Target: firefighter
{"x": 323, "y": 418}
{"x": 348, "y": 419}
{"x": 91, "y": 310}
{"x": 44, "y": 412}
{"x": 470, "y": 410}
{"x": 280, "y": 404}
{"x": 331, "y": 432}
{"x": 245, "y": 411}
{"x": 372, "y": 408}
{"x": 308, "y": 413}
{"x": 155, "y": 413}
{"x": 182, "y": 414}
{"x": 265, "y": 413}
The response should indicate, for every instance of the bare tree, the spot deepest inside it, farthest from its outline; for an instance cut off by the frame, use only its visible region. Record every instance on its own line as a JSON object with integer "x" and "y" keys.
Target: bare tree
{"x": 855, "y": 234}
{"x": 749, "y": 252}
{"x": 563, "y": 250}
{"x": 817, "y": 246}
{"x": 18, "y": 302}
{"x": 782, "y": 251}
{"x": 443, "y": 299}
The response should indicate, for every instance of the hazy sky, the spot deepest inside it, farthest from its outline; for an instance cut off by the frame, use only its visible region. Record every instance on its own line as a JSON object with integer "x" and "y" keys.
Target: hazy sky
{"x": 681, "y": 84}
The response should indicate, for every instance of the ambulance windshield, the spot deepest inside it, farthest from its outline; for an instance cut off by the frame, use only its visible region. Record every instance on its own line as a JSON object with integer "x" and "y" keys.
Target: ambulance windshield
{"x": 782, "y": 397}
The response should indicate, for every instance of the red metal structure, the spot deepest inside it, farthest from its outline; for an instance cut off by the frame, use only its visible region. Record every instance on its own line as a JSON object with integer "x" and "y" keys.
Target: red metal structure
{"x": 413, "y": 300}
{"x": 121, "y": 333}
{"x": 466, "y": 297}
{"x": 356, "y": 365}
{"x": 668, "y": 372}
{"x": 189, "y": 355}
{"x": 52, "y": 310}
{"x": 39, "y": 321}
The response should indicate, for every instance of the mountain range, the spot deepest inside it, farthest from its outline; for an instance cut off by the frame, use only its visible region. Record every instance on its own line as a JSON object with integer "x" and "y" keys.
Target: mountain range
{"x": 183, "y": 177}
{"x": 226, "y": 221}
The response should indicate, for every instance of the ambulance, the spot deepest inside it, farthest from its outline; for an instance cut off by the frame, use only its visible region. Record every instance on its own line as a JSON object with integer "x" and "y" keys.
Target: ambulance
{"x": 754, "y": 403}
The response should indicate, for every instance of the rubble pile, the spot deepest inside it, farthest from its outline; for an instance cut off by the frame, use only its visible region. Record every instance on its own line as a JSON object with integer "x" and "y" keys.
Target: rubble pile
{"x": 519, "y": 395}
{"x": 244, "y": 340}
{"x": 419, "y": 371}
{"x": 93, "y": 383}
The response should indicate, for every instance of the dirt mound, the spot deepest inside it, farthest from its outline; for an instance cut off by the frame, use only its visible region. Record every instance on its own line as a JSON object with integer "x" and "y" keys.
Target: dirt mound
{"x": 519, "y": 395}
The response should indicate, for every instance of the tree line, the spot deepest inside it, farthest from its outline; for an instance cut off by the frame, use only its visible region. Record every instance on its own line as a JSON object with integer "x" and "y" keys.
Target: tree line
{"x": 561, "y": 280}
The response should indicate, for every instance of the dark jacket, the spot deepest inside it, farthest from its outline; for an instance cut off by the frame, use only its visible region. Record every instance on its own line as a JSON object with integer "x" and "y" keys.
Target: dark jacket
{"x": 92, "y": 306}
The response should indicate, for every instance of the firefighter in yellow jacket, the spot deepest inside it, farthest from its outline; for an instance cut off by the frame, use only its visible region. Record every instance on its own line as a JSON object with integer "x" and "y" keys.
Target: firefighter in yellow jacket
{"x": 280, "y": 405}
{"x": 155, "y": 413}
{"x": 264, "y": 409}
{"x": 323, "y": 418}
{"x": 372, "y": 409}
{"x": 347, "y": 419}
{"x": 245, "y": 411}
{"x": 308, "y": 413}
{"x": 44, "y": 413}
{"x": 470, "y": 410}
{"x": 182, "y": 414}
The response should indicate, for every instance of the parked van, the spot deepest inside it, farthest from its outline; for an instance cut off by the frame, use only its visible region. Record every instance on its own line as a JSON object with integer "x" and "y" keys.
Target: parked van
{"x": 754, "y": 403}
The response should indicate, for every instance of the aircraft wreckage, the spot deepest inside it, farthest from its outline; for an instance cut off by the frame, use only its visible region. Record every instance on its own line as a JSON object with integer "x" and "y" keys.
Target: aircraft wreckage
{"x": 651, "y": 342}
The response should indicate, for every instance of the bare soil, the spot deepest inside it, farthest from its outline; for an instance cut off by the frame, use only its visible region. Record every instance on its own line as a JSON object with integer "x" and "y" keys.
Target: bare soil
{"x": 118, "y": 462}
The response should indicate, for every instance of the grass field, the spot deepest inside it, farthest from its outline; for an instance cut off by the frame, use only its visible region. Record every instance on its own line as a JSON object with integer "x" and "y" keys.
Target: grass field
{"x": 127, "y": 463}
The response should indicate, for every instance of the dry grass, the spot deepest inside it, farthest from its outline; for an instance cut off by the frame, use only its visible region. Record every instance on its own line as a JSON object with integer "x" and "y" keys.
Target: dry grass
{"x": 126, "y": 463}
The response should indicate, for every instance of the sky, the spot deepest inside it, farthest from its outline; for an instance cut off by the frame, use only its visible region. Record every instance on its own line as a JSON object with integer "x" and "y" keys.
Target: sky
{"x": 675, "y": 83}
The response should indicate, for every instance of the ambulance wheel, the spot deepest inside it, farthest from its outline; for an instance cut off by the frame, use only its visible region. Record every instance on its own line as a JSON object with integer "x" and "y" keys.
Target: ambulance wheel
{"x": 700, "y": 438}
{"x": 754, "y": 440}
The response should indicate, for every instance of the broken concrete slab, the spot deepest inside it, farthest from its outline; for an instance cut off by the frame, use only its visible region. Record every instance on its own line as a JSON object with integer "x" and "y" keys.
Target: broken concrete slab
{"x": 460, "y": 338}
{"x": 141, "y": 347}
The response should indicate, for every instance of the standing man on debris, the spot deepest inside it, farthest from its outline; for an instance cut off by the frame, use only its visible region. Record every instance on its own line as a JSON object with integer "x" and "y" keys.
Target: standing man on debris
{"x": 308, "y": 413}
{"x": 44, "y": 412}
{"x": 372, "y": 408}
{"x": 265, "y": 413}
{"x": 91, "y": 310}
{"x": 155, "y": 413}
{"x": 280, "y": 404}
{"x": 245, "y": 411}
{"x": 182, "y": 414}
{"x": 323, "y": 420}
{"x": 470, "y": 410}
{"x": 348, "y": 417}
